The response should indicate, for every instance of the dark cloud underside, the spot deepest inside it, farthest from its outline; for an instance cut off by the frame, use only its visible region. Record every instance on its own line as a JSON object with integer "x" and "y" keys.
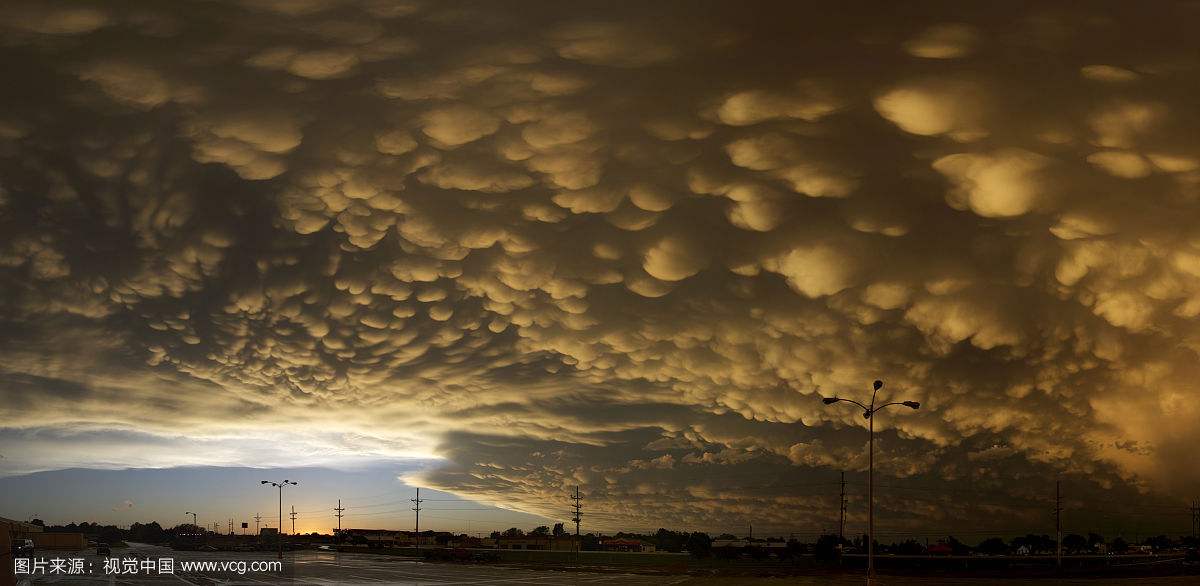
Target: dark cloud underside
{"x": 614, "y": 245}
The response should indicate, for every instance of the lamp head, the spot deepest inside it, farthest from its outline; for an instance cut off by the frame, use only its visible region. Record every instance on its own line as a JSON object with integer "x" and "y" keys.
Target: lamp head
{"x": 878, "y": 385}
{"x": 866, "y": 414}
{"x": 912, "y": 404}
{"x": 265, "y": 482}
{"x": 829, "y": 400}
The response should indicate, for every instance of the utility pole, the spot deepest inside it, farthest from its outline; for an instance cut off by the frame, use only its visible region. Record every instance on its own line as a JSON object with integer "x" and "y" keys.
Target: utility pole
{"x": 293, "y": 519}
{"x": 1058, "y": 521}
{"x": 578, "y": 504}
{"x": 338, "y": 514}
{"x": 194, "y": 522}
{"x": 842, "y": 512}
{"x": 257, "y": 518}
{"x": 417, "y": 507}
{"x": 1195, "y": 519}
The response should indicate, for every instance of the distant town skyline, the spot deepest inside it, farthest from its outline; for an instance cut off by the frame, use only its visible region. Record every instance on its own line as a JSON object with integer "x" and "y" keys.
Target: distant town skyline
{"x": 629, "y": 247}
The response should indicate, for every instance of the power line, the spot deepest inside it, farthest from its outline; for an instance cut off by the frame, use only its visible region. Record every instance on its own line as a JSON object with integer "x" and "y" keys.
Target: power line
{"x": 338, "y": 513}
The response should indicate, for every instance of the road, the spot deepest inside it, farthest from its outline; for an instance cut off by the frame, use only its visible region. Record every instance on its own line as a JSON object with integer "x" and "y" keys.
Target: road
{"x": 326, "y": 568}
{"x": 323, "y": 569}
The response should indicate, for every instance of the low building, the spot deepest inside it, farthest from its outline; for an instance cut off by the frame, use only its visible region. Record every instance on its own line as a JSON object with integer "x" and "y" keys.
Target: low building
{"x": 525, "y": 542}
{"x": 373, "y": 537}
{"x": 19, "y": 529}
{"x": 565, "y": 543}
{"x": 731, "y": 543}
{"x": 530, "y": 542}
{"x": 48, "y": 540}
{"x": 626, "y": 545}
{"x": 41, "y": 538}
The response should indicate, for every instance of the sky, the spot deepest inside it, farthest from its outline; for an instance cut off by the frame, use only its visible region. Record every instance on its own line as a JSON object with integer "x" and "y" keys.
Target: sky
{"x": 225, "y": 494}
{"x": 504, "y": 250}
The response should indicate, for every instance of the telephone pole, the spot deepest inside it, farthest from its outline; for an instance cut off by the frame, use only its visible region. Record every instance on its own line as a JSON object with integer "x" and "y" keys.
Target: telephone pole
{"x": 338, "y": 514}
{"x": 842, "y": 512}
{"x": 293, "y": 515}
{"x": 1195, "y": 519}
{"x": 417, "y": 507}
{"x": 1058, "y": 521}
{"x": 257, "y": 518}
{"x": 578, "y": 504}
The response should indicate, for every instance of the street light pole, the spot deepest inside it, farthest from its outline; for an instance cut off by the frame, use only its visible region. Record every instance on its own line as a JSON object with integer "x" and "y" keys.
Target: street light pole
{"x": 194, "y": 524}
{"x": 869, "y": 414}
{"x": 280, "y": 485}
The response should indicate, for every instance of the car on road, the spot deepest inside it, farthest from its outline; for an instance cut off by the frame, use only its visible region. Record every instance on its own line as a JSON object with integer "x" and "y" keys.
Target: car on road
{"x": 103, "y": 549}
{"x": 22, "y": 548}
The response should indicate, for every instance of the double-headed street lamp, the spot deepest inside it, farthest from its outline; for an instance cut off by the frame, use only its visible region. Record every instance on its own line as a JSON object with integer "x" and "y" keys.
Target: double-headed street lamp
{"x": 280, "y": 485}
{"x": 868, "y": 414}
{"x": 194, "y": 524}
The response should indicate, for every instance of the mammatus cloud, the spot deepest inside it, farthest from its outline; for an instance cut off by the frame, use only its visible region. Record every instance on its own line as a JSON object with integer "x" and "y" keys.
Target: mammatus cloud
{"x": 574, "y": 247}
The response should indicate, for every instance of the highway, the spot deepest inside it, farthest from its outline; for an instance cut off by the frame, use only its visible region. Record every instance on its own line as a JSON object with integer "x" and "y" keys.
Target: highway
{"x": 319, "y": 568}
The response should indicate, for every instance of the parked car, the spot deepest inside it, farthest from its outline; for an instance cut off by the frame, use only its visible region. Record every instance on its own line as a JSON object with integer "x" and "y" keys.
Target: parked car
{"x": 103, "y": 549}
{"x": 22, "y": 548}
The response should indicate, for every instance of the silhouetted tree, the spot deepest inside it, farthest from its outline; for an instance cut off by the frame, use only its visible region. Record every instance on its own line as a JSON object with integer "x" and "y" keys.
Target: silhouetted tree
{"x": 589, "y": 542}
{"x": 559, "y": 531}
{"x": 1074, "y": 543}
{"x": 1094, "y": 540}
{"x": 908, "y": 547}
{"x": 993, "y": 546}
{"x": 1119, "y": 545}
{"x": 667, "y": 540}
{"x": 1159, "y": 542}
{"x": 727, "y": 536}
{"x": 826, "y": 547}
{"x": 513, "y": 532}
{"x": 699, "y": 545}
{"x": 957, "y": 547}
{"x": 540, "y": 531}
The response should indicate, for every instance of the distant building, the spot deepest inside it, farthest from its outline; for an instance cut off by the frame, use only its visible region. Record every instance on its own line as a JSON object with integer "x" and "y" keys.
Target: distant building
{"x": 19, "y": 529}
{"x": 525, "y": 542}
{"x": 41, "y": 538}
{"x": 373, "y": 537}
{"x": 732, "y": 543}
{"x": 531, "y": 543}
{"x": 627, "y": 545}
{"x": 565, "y": 543}
{"x": 941, "y": 548}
